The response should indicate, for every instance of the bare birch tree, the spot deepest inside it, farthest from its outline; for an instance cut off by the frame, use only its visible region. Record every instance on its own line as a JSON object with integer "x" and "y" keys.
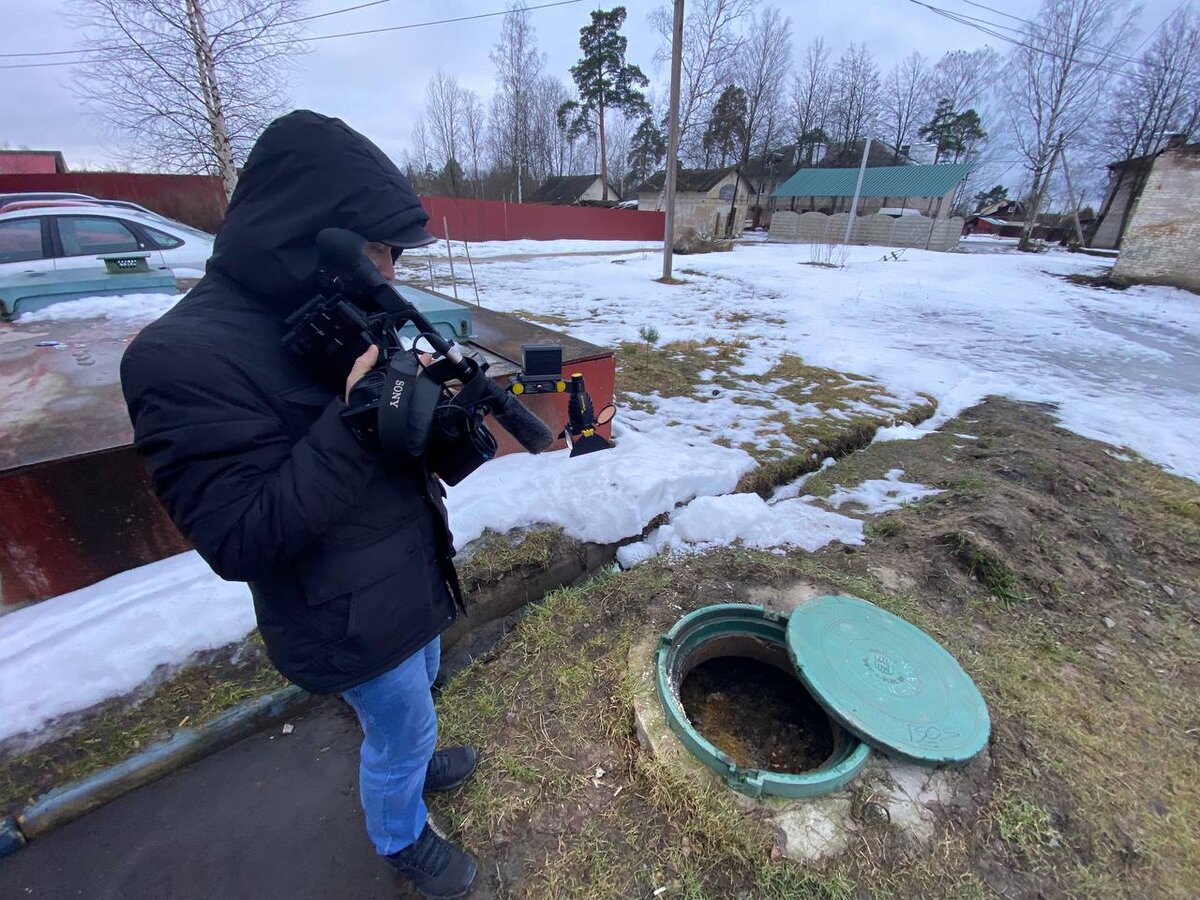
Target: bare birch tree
{"x": 474, "y": 136}
{"x": 906, "y": 100}
{"x": 518, "y": 69}
{"x": 189, "y": 84}
{"x": 855, "y": 94}
{"x": 766, "y": 64}
{"x": 964, "y": 77}
{"x": 1055, "y": 79}
{"x": 445, "y": 114}
{"x": 712, "y": 40}
{"x": 809, "y": 102}
{"x": 1161, "y": 95}
{"x": 551, "y": 148}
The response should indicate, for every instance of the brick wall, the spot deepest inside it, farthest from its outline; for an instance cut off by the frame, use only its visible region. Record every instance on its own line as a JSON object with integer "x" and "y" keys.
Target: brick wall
{"x": 1162, "y": 241}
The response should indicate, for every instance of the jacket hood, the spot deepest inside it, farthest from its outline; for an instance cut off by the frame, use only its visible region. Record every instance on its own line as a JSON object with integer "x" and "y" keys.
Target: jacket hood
{"x": 307, "y": 172}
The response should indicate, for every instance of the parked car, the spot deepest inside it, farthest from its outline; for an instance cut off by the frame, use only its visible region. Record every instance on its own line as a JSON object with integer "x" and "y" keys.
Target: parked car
{"x": 5, "y": 199}
{"x": 49, "y": 238}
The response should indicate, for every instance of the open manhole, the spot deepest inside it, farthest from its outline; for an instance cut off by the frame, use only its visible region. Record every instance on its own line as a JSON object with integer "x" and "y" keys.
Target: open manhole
{"x": 733, "y": 698}
{"x": 783, "y": 705}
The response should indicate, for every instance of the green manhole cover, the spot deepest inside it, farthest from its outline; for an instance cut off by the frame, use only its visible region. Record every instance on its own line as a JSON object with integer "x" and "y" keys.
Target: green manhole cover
{"x": 887, "y": 681}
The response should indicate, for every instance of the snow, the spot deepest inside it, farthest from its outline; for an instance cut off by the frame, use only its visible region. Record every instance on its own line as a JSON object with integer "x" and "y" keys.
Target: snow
{"x": 710, "y": 522}
{"x": 1119, "y": 366}
{"x": 602, "y": 497}
{"x": 132, "y": 308}
{"x": 78, "y": 649}
{"x": 880, "y": 495}
{"x": 1122, "y": 367}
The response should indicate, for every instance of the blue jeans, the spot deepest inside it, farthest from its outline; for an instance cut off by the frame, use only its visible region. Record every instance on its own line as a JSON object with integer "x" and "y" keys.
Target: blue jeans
{"x": 399, "y": 735}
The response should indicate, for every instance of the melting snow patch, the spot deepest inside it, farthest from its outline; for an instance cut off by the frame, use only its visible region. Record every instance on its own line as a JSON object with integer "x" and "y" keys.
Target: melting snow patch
{"x": 793, "y": 488}
{"x": 901, "y": 432}
{"x": 881, "y": 494}
{"x": 78, "y": 649}
{"x": 123, "y": 307}
{"x": 602, "y": 497}
{"x": 710, "y": 522}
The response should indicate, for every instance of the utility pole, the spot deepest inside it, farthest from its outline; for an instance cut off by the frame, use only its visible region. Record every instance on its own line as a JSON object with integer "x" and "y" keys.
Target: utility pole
{"x": 1071, "y": 199}
{"x": 672, "y": 138}
{"x": 214, "y": 109}
{"x": 862, "y": 171}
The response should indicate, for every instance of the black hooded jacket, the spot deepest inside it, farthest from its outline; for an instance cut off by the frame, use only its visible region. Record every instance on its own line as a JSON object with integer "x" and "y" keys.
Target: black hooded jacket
{"x": 347, "y": 555}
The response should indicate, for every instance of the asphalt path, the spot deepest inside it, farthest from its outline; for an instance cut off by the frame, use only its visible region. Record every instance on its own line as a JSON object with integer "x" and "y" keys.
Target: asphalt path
{"x": 274, "y": 817}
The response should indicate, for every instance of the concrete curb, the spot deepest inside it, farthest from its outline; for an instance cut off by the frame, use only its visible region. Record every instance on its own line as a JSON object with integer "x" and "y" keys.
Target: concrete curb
{"x": 63, "y": 804}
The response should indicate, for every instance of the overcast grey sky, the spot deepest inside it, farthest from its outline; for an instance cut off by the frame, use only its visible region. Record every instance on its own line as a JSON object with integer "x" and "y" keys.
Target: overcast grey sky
{"x": 376, "y": 82}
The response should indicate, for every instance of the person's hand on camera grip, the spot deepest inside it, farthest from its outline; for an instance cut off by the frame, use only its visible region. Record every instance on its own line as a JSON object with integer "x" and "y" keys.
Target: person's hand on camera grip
{"x": 361, "y": 367}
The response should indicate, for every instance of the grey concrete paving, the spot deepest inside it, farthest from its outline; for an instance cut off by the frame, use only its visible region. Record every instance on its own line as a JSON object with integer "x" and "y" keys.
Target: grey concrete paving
{"x": 274, "y": 817}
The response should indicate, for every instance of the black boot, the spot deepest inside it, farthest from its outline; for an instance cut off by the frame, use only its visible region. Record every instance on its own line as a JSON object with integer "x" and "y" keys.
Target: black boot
{"x": 450, "y": 767}
{"x": 437, "y": 868}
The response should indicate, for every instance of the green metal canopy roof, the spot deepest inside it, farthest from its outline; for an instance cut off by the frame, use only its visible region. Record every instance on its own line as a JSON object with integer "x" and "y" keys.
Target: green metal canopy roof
{"x": 879, "y": 181}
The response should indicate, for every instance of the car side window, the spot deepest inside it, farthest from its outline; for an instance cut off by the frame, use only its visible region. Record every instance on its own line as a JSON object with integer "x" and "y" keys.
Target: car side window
{"x": 20, "y": 240}
{"x": 162, "y": 239}
{"x": 91, "y": 236}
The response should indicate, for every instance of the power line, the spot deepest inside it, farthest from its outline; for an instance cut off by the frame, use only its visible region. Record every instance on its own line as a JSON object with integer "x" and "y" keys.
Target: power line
{"x": 987, "y": 27}
{"x": 114, "y": 49}
{"x": 320, "y": 37}
{"x": 1128, "y": 59}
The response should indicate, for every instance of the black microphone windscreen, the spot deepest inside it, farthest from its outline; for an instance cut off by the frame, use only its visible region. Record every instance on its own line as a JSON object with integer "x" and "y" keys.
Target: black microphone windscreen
{"x": 529, "y": 431}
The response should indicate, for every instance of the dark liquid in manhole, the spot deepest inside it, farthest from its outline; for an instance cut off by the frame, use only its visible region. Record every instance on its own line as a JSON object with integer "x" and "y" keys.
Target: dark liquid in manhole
{"x": 759, "y": 715}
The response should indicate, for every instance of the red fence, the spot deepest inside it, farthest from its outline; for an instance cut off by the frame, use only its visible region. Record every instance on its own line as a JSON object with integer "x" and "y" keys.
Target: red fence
{"x": 494, "y": 220}
{"x": 199, "y": 201}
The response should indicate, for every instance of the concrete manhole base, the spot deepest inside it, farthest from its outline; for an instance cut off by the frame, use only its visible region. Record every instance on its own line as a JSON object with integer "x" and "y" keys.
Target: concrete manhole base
{"x": 889, "y": 794}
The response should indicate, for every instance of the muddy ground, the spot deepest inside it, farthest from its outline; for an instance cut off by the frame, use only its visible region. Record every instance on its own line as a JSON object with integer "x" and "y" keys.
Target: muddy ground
{"x": 1065, "y": 579}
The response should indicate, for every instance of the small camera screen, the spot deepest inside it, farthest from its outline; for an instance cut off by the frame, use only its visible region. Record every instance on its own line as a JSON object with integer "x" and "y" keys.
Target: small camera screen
{"x": 542, "y": 361}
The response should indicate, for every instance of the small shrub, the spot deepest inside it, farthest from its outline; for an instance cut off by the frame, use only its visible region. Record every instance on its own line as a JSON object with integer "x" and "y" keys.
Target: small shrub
{"x": 828, "y": 254}
{"x": 649, "y": 334}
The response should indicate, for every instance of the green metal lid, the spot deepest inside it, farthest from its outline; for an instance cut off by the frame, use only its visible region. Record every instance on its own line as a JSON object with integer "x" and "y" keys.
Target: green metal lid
{"x": 887, "y": 681}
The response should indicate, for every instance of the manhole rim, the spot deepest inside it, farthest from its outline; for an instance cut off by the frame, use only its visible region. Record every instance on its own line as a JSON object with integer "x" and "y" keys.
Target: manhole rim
{"x": 691, "y": 633}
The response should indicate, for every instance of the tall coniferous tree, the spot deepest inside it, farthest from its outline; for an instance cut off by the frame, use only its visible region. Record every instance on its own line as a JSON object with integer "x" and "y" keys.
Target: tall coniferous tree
{"x": 726, "y": 133}
{"x": 604, "y": 80}
{"x": 647, "y": 151}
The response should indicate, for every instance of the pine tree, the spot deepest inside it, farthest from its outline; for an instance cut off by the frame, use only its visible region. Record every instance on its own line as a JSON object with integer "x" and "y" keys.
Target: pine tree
{"x": 987, "y": 198}
{"x": 952, "y": 131}
{"x": 726, "y": 132}
{"x": 604, "y": 80}
{"x": 647, "y": 151}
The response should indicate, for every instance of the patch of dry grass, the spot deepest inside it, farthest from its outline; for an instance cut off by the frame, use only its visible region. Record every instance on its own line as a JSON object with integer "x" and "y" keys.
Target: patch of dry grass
{"x": 116, "y": 730}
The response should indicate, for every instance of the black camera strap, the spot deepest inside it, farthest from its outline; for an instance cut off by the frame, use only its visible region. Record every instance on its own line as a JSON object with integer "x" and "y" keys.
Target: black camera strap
{"x": 407, "y": 406}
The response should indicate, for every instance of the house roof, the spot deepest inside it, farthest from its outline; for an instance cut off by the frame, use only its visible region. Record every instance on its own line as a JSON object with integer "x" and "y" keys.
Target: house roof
{"x": 879, "y": 181}
{"x": 687, "y": 180}
{"x": 567, "y": 189}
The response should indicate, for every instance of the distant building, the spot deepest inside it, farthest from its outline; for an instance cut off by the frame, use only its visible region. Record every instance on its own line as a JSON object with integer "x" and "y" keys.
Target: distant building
{"x": 32, "y": 162}
{"x": 576, "y": 190}
{"x": 815, "y": 205}
{"x": 713, "y": 201}
{"x": 1127, "y": 180}
{"x": 927, "y": 189}
{"x": 1156, "y": 200}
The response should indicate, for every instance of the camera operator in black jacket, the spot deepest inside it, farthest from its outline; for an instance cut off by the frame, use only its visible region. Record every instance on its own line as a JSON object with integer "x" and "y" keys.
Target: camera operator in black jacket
{"x": 347, "y": 556}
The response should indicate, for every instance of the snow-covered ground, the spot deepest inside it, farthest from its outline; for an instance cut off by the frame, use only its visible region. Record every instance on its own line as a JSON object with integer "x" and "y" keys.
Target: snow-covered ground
{"x": 1123, "y": 367}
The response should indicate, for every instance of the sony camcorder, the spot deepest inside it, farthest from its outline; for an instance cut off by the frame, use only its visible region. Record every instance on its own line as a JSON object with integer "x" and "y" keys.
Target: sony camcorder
{"x": 402, "y": 406}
